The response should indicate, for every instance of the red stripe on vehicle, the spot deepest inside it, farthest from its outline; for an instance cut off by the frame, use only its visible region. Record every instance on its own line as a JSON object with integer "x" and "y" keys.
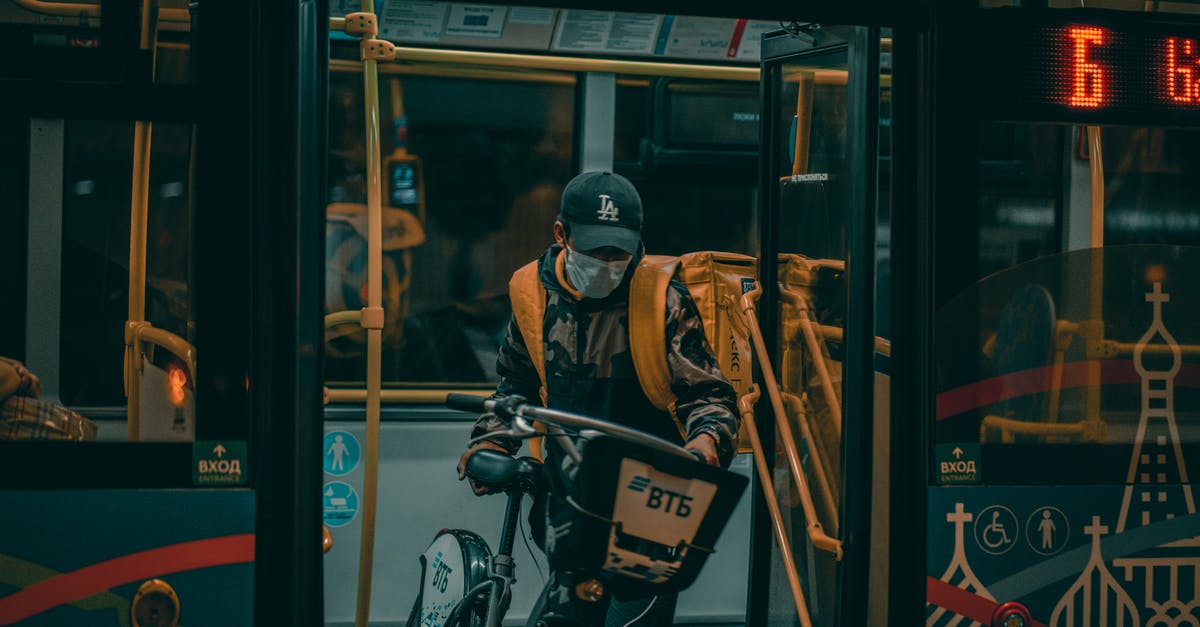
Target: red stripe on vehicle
{"x": 1034, "y": 380}
{"x": 102, "y": 576}
{"x": 961, "y": 602}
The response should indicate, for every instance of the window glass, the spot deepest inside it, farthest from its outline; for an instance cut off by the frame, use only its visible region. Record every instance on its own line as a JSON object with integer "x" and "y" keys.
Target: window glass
{"x": 51, "y": 27}
{"x": 691, "y": 148}
{"x": 493, "y": 157}
{"x": 811, "y": 166}
{"x": 72, "y": 234}
{"x": 1041, "y": 356}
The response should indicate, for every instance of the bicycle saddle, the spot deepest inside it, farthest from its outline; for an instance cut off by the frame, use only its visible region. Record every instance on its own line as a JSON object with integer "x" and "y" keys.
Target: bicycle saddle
{"x": 495, "y": 469}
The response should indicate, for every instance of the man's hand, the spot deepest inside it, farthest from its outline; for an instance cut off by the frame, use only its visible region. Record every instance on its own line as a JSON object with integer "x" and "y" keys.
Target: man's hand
{"x": 462, "y": 464}
{"x": 707, "y": 446}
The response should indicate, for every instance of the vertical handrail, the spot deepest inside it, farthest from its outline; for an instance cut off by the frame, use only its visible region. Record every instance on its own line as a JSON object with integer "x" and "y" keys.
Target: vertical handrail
{"x": 816, "y": 533}
{"x": 1095, "y": 327}
{"x": 138, "y": 217}
{"x": 373, "y": 322}
{"x": 796, "y": 403}
{"x": 746, "y": 406}
{"x": 816, "y": 347}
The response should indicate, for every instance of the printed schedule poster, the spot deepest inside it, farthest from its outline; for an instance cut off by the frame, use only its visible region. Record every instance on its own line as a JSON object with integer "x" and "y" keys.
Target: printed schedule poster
{"x": 699, "y": 37}
{"x": 633, "y": 33}
{"x": 531, "y": 15}
{"x": 412, "y": 21}
{"x": 476, "y": 20}
{"x": 606, "y": 31}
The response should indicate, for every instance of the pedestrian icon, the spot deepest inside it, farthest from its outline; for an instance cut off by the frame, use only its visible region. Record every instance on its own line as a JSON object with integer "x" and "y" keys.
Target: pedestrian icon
{"x": 339, "y": 503}
{"x": 341, "y": 453}
{"x": 1047, "y": 530}
{"x": 996, "y": 530}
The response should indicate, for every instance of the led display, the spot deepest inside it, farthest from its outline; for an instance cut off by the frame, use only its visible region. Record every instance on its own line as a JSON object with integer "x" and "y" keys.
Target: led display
{"x": 1120, "y": 71}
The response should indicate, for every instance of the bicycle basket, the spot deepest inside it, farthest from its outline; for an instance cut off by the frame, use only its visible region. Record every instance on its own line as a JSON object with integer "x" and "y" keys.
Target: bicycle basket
{"x": 644, "y": 519}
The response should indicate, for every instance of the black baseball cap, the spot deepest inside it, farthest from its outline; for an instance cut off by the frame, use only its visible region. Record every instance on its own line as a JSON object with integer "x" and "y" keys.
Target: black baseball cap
{"x": 603, "y": 209}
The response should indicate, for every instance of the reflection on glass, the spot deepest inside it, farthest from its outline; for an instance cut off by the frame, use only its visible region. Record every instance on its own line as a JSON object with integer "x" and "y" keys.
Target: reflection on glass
{"x": 73, "y": 24}
{"x": 74, "y": 293}
{"x": 1041, "y": 354}
{"x": 473, "y": 174}
{"x": 813, "y": 178}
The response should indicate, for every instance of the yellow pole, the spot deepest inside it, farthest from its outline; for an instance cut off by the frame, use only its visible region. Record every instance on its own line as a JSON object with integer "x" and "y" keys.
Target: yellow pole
{"x": 816, "y": 533}
{"x": 746, "y": 405}
{"x": 374, "y": 333}
{"x": 1096, "y": 278}
{"x": 138, "y": 215}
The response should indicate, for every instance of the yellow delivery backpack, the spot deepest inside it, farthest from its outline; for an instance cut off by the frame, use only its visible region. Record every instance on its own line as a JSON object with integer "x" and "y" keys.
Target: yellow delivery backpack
{"x": 716, "y": 281}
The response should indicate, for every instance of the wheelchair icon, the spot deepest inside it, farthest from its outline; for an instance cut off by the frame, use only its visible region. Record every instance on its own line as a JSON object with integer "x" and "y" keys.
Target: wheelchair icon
{"x": 996, "y": 529}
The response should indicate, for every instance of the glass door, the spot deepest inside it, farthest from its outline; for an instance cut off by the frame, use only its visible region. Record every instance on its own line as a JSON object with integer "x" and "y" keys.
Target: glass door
{"x": 821, "y": 90}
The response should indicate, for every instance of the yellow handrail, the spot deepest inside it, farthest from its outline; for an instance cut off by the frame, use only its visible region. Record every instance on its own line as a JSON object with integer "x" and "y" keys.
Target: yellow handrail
{"x": 372, "y": 319}
{"x": 339, "y": 318}
{"x": 413, "y": 397}
{"x": 138, "y": 216}
{"x": 178, "y": 346}
{"x": 574, "y": 64}
{"x": 827, "y": 487}
{"x": 746, "y": 406}
{"x": 75, "y": 9}
{"x": 816, "y": 533}
{"x": 816, "y": 348}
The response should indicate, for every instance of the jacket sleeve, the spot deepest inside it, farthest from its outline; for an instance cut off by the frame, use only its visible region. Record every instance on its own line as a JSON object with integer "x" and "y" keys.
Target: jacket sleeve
{"x": 517, "y": 376}
{"x": 706, "y": 402}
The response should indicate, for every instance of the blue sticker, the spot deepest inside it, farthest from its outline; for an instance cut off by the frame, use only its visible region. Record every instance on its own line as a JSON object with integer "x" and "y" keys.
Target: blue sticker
{"x": 339, "y": 504}
{"x": 341, "y": 453}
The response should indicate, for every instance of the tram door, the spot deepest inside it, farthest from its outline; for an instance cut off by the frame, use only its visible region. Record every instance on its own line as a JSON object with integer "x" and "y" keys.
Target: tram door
{"x": 824, "y": 88}
{"x": 139, "y": 393}
{"x": 1065, "y": 385}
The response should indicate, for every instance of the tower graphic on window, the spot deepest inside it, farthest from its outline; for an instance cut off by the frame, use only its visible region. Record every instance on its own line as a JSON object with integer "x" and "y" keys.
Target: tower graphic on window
{"x": 1096, "y": 599}
{"x": 958, "y": 574}
{"x": 1156, "y": 487}
{"x": 1167, "y": 578}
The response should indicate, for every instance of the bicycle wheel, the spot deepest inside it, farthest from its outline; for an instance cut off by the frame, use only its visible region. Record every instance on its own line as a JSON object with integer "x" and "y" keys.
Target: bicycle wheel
{"x": 453, "y": 566}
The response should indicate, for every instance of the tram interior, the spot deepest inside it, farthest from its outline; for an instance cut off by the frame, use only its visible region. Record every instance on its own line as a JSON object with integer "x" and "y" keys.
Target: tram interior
{"x": 476, "y": 155}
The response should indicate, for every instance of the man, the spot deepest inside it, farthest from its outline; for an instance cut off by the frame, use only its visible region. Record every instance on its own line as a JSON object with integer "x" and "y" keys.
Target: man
{"x": 588, "y": 366}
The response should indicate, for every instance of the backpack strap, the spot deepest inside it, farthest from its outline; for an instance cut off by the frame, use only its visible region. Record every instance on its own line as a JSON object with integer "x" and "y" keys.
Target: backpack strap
{"x": 529, "y": 310}
{"x": 648, "y": 329}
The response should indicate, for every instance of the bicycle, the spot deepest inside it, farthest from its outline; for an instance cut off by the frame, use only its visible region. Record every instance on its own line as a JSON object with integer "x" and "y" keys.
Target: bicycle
{"x": 643, "y": 516}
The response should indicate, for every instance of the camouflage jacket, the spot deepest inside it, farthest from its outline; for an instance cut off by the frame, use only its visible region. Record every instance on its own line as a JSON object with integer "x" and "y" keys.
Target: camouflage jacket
{"x": 589, "y": 369}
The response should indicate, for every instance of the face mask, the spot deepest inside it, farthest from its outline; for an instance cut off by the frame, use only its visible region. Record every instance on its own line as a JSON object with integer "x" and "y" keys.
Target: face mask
{"x": 595, "y": 278}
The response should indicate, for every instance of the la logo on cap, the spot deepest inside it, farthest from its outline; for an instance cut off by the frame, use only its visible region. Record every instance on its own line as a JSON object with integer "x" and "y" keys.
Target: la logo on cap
{"x": 607, "y": 210}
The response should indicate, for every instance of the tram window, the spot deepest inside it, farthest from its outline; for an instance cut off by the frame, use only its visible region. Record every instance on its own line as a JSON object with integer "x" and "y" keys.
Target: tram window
{"x": 14, "y": 179}
{"x": 66, "y": 243}
{"x": 95, "y": 281}
{"x": 22, "y": 26}
{"x": 1150, "y": 186}
{"x": 494, "y": 157}
{"x": 1040, "y": 357}
{"x": 690, "y": 147}
{"x": 1020, "y": 180}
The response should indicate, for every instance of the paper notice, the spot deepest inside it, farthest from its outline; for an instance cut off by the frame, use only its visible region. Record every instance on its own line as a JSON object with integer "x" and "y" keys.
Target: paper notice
{"x": 531, "y": 15}
{"x": 606, "y": 31}
{"x": 476, "y": 20}
{"x": 412, "y": 21}
{"x": 699, "y": 37}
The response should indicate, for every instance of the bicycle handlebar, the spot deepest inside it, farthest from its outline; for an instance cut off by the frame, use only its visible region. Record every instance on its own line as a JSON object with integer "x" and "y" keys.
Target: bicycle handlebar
{"x": 516, "y": 407}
